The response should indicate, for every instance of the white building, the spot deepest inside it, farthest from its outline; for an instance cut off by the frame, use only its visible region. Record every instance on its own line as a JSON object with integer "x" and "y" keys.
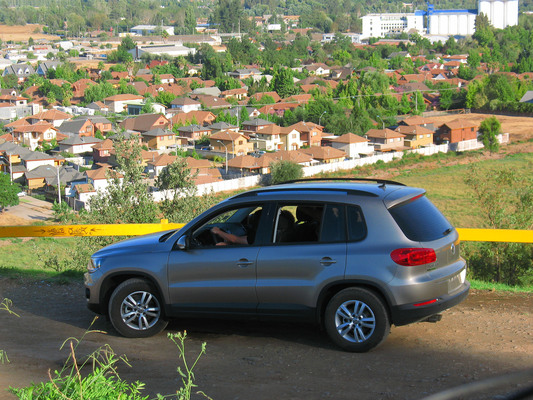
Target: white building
{"x": 142, "y": 30}
{"x": 382, "y": 25}
{"x": 501, "y": 13}
{"x": 451, "y": 22}
{"x": 172, "y": 50}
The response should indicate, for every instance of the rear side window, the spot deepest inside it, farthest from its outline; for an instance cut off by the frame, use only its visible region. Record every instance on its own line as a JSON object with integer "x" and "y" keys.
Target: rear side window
{"x": 420, "y": 220}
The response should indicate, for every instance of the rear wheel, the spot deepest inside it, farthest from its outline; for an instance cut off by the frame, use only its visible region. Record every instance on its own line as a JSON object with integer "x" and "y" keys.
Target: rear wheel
{"x": 356, "y": 320}
{"x": 135, "y": 309}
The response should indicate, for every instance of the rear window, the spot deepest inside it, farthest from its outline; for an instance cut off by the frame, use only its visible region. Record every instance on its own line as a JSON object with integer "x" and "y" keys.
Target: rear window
{"x": 420, "y": 220}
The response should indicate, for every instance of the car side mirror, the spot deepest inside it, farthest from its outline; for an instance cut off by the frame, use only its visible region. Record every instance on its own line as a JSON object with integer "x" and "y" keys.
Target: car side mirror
{"x": 183, "y": 242}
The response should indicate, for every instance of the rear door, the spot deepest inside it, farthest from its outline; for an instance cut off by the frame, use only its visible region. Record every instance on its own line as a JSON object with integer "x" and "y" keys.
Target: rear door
{"x": 306, "y": 252}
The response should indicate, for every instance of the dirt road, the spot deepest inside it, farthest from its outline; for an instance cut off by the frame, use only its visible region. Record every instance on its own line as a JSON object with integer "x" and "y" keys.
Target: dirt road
{"x": 489, "y": 334}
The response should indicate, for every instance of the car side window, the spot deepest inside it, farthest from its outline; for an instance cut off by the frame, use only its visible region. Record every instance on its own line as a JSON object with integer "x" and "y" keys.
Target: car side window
{"x": 236, "y": 226}
{"x": 356, "y": 223}
{"x": 309, "y": 222}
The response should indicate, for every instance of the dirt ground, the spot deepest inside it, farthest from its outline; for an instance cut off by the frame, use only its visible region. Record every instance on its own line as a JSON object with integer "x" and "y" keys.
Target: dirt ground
{"x": 488, "y": 335}
{"x": 18, "y": 33}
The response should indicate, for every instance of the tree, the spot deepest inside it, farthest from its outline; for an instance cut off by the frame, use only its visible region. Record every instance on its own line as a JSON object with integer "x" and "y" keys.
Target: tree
{"x": 127, "y": 199}
{"x": 8, "y": 192}
{"x": 181, "y": 203}
{"x": 489, "y": 128}
{"x": 505, "y": 198}
{"x": 283, "y": 171}
{"x": 282, "y": 82}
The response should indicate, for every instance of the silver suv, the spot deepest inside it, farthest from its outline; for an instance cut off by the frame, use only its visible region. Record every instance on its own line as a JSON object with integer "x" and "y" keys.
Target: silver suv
{"x": 353, "y": 257}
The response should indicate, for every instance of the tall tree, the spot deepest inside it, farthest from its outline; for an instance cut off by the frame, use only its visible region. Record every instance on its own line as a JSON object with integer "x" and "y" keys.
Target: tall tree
{"x": 489, "y": 129}
{"x": 127, "y": 199}
{"x": 8, "y": 192}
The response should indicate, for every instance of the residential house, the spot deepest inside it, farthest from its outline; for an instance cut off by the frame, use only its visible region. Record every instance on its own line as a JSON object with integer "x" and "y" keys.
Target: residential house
{"x": 34, "y": 135}
{"x": 83, "y": 193}
{"x": 185, "y": 104}
{"x": 167, "y": 78}
{"x": 277, "y": 109}
{"x": 22, "y": 71}
{"x": 159, "y": 138}
{"x": 145, "y": 122}
{"x": 319, "y": 69}
{"x": 310, "y": 133}
{"x": 416, "y": 136}
{"x": 34, "y": 159}
{"x": 353, "y": 145}
{"x": 203, "y": 118}
{"x": 155, "y": 166}
{"x": 211, "y": 102}
{"x": 101, "y": 123}
{"x": 239, "y": 94}
{"x": 386, "y": 140}
{"x": 295, "y": 156}
{"x": 234, "y": 143}
{"x": 258, "y": 97}
{"x": 274, "y": 137}
{"x": 456, "y": 131}
{"x": 244, "y": 73}
{"x": 44, "y": 68}
{"x": 223, "y": 126}
{"x": 248, "y": 165}
{"x": 244, "y": 112}
{"x": 98, "y": 178}
{"x": 194, "y": 132}
{"x": 119, "y": 102}
{"x": 324, "y": 154}
{"x": 418, "y": 120}
{"x": 78, "y": 127}
{"x": 102, "y": 151}
{"x": 78, "y": 144}
{"x": 255, "y": 125}
{"x": 203, "y": 171}
{"x": 54, "y": 117}
{"x": 78, "y": 90}
{"x": 527, "y": 97}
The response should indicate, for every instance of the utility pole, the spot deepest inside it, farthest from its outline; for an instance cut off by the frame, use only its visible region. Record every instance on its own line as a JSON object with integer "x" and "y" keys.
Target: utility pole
{"x": 58, "y": 186}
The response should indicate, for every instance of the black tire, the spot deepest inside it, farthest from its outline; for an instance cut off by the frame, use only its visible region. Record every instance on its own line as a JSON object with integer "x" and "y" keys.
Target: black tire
{"x": 356, "y": 320}
{"x": 135, "y": 309}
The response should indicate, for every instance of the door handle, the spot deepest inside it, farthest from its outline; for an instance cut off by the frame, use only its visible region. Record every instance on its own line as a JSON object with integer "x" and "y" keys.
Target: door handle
{"x": 243, "y": 262}
{"x": 327, "y": 261}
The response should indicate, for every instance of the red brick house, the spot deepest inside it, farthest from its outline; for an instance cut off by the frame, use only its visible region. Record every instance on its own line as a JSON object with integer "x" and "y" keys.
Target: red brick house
{"x": 457, "y": 131}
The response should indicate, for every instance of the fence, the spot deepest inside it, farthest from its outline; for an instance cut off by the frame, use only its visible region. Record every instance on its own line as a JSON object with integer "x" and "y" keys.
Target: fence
{"x": 465, "y": 234}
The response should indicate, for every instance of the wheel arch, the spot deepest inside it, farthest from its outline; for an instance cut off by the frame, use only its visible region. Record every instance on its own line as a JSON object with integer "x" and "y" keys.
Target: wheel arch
{"x": 112, "y": 281}
{"x": 331, "y": 290}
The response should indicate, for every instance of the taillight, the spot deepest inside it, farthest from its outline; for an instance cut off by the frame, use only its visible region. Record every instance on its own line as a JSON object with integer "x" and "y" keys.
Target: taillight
{"x": 411, "y": 256}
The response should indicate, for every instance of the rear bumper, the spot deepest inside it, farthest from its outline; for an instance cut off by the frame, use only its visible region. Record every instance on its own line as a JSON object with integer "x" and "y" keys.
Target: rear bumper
{"x": 409, "y": 313}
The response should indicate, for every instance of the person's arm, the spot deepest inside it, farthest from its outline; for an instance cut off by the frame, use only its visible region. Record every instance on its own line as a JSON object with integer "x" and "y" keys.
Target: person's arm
{"x": 229, "y": 237}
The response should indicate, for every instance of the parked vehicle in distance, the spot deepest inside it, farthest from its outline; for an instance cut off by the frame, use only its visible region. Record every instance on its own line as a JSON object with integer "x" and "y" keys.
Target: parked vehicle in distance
{"x": 354, "y": 257}
{"x": 21, "y": 194}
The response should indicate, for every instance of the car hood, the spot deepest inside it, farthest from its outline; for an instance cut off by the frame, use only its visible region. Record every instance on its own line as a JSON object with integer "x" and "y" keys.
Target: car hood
{"x": 143, "y": 244}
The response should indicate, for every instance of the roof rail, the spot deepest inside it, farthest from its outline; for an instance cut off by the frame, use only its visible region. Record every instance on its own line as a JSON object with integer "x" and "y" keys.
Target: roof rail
{"x": 381, "y": 181}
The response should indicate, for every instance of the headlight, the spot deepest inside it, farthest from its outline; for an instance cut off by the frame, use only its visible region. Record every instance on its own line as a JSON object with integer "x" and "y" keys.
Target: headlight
{"x": 93, "y": 265}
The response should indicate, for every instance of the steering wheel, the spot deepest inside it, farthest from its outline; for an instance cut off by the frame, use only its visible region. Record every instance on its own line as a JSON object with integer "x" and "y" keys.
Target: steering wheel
{"x": 216, "y": 239}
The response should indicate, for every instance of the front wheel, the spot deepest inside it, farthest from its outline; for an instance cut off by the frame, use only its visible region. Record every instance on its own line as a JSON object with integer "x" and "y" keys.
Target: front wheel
{"x": 356, "y": 320}
{"x": 135, "y": 309}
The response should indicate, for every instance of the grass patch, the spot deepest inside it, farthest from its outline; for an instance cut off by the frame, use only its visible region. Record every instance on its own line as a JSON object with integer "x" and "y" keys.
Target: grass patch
{"x": 62, "y": 278}
{"x": 499, "y": 287}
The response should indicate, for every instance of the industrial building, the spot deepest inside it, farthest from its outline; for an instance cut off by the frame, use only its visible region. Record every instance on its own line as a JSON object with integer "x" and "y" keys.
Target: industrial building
{"x": 500, "y": 13}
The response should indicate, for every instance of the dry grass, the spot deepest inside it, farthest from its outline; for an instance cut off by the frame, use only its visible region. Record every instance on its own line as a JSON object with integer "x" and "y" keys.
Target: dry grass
{"x": 21, "y": 33}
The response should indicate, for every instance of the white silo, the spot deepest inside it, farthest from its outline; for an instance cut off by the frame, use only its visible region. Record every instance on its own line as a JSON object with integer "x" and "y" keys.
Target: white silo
{"x": 511, "y": 12}
{"x": 497, "y": 14}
